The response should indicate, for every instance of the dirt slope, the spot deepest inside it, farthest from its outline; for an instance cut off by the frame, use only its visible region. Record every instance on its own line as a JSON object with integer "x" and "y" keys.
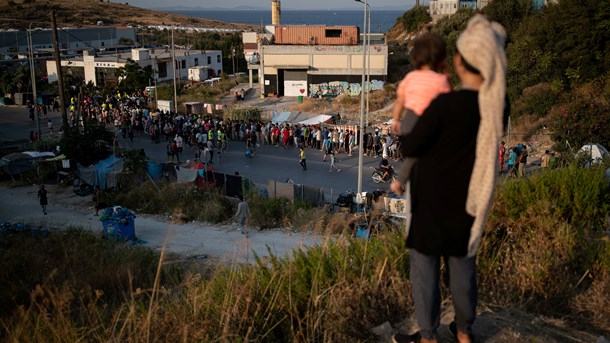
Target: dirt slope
{"x": 74, "y": 13}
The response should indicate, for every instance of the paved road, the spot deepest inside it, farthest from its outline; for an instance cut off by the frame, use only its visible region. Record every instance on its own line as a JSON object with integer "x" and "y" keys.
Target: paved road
{"x": 269, "y": 163}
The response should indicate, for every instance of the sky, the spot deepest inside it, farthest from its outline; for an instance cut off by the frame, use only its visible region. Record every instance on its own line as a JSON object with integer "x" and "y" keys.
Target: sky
{"x": 265, "y": 4}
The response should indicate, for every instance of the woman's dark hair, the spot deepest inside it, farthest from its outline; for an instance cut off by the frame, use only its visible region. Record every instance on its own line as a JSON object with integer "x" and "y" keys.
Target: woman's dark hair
{"x": 429, "y": 49}
{"x": 469, "y": 66}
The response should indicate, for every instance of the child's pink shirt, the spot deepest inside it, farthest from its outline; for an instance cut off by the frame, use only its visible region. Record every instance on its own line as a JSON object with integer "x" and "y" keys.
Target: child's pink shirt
{"x": 420, "y": 87}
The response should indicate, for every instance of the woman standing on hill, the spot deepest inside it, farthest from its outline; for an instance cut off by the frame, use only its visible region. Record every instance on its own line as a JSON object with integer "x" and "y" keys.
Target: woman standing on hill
{"x": 456, "y": 141}
{"x": 42, "y": 196}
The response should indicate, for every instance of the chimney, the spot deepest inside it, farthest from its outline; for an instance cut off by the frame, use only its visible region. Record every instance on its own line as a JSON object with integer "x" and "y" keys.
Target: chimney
{"x": 276, "y": 12}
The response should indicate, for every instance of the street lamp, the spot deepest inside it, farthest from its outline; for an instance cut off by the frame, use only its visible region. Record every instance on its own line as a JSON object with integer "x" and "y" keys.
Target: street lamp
{"x": 361, "y": 138}
{"x": 33, "y": 75}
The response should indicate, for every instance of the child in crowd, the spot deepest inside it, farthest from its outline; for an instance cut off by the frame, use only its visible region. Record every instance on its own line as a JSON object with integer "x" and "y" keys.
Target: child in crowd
{"x": 417, "y": 90}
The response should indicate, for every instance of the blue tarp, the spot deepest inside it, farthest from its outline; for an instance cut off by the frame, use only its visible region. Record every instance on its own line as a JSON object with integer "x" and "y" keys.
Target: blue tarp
{"x": 155, "y": 170}
{"x": 102, "y": 174}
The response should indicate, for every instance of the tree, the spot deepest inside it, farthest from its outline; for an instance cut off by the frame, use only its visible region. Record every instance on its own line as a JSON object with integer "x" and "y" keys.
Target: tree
{"x": 509, "y": 13}
{"x": 567, "y": 45}
{"x": 133, "y": 77}
{"x": 449, "y": 28}
{"x": 413, "y": 19}
{"x": 90, "y": 145}
{"x": 583, "y": 117}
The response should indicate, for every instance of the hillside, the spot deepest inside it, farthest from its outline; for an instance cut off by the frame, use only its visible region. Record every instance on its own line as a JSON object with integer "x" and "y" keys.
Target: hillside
{"x": 73, "y": 13}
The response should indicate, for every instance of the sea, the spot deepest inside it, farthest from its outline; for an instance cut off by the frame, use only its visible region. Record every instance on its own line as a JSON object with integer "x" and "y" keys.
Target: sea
{"x": 381, "y": 20}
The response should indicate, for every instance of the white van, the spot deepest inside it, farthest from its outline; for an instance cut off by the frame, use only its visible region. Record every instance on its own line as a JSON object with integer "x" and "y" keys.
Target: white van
{"x": 212, "y": 81}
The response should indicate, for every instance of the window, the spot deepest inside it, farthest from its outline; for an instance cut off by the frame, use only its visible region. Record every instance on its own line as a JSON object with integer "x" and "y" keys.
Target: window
{"x": 162, "y": 70}
{"x": 209, "y": 59}
{"x": 219, "y": 72}
{"x": 183, "y": 64}
{"x": 333, "y": 33}
{"x": 218, "y": 58}
{"x": 196, "y": 61}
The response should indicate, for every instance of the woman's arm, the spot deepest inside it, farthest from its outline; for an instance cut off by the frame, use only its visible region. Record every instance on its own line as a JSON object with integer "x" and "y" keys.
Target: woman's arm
{"x": 423, "y": 134}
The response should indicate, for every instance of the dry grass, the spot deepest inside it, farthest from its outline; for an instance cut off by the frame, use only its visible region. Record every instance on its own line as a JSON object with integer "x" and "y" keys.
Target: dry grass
{"x": 543, "y": 250}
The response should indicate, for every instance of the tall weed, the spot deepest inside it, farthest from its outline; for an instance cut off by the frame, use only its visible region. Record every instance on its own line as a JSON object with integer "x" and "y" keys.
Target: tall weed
{"x": 542, "y": 242}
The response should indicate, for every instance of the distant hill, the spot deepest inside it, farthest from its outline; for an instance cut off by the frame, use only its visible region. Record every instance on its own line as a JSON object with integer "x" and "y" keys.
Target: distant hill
{"x": 75, "y": 13}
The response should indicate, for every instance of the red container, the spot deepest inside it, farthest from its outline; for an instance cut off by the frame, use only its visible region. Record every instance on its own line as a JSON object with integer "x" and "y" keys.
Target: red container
{"x": 316, "y": 35}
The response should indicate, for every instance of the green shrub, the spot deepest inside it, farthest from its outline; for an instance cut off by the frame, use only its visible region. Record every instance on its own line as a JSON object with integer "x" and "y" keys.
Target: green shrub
{"x": 75, "y": 259}
{"x": 413, "y": 19}
{"x": 582, "y": 118}
{"x": 183, "y": 201}
{"x": 536, "y": 101}
{"x": 543, "y": 238}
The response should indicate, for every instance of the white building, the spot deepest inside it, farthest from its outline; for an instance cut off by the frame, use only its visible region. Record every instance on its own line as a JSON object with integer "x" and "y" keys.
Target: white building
{"x": 101, "y": 69}
{"x": 443, "y": 8}
{"x": 16, "y": 42}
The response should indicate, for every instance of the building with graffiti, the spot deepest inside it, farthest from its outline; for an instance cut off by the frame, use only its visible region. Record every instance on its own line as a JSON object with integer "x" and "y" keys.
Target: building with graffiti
{"x": 315, "y": 61}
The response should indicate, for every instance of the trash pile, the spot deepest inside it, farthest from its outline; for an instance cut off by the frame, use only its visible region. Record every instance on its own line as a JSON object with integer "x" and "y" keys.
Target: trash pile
{"x": 8, "y": 228}
{"x": 119, "y": 222}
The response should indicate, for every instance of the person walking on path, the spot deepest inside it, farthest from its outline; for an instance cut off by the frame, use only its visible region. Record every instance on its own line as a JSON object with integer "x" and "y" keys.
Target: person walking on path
{"x": 458, "y": 135}
{"x": 332, "y": 162}
{"x": 42, "y": 196}
{"x": 303, "y": 159}
{"x": 243, "y": 215}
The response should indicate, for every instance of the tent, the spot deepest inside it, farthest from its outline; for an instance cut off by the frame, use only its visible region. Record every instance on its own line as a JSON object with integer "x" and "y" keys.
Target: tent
{"x": 280, "y": 117}
{"x": 322, "y": 118}
{"x": 102, "y": 174}
{"x": 21, "y": 162}
{"x": 311, "y": 194}
{"x": 594, "y": 152}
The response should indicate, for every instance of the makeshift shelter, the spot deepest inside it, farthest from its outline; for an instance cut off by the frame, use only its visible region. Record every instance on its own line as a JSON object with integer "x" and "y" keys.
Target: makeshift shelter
{"x": 21, "y": 162}
{"x": 280, "y": 118}
{"x": 103, "y": 174}
{"x": 594, "y": 152}
{"x": 291, "y": 191}
{"x": 322, "y": 118}
{"x": 194, "y": 107}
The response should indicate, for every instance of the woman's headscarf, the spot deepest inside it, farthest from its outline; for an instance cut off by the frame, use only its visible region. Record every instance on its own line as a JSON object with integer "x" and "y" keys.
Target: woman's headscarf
{"x": 482, "y": 46}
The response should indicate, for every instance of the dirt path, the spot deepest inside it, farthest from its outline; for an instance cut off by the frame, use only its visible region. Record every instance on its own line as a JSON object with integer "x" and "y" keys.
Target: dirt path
{"x": 20, "y": 205}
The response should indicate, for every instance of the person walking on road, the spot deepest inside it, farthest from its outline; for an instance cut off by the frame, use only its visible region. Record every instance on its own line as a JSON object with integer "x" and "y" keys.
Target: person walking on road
{"x": 332, "y": 162}
{"x": 303, "y": 159}
{"x": 42, "y": 196}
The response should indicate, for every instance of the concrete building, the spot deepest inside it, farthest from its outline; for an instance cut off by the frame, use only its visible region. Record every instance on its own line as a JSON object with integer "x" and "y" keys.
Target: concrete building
{"x": 98, "y": 37}
{"x": 329, "y": 69}
{"x": 443, "y": 8}
{"x": 101, "y": 69}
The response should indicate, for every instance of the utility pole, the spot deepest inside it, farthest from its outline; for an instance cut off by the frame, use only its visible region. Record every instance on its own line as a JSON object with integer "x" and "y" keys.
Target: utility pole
{"x": 33, "y": 75}
{"x": 174, "y": 63}
{"x": 60, "y": 80}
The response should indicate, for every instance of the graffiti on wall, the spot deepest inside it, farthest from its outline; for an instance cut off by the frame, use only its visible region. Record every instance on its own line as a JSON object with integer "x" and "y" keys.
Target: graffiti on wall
{"x": 336, "y": 88}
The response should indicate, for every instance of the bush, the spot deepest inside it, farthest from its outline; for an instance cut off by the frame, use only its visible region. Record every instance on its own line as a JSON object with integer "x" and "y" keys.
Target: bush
{"x": 582, "y": 118}
{"x": 72, "y": 259}
{"x": 543, "y": 238}
{"x": 182, "y": 201}
{"x": 413, "y": 19}
{"x": 535, "y": 101}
